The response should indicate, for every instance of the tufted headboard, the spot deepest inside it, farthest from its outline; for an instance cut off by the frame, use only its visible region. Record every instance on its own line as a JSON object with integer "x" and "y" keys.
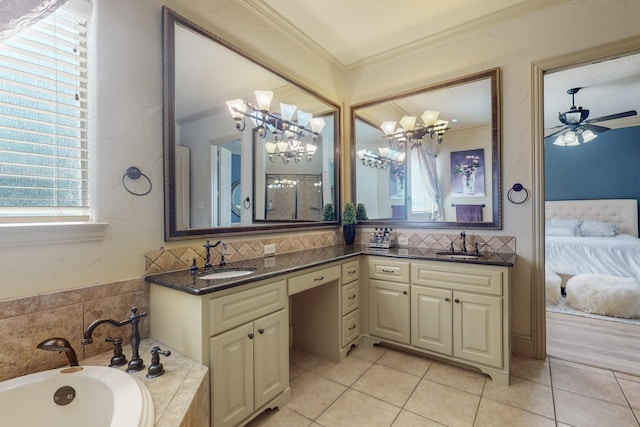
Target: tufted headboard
{"x": 621, "y": 212}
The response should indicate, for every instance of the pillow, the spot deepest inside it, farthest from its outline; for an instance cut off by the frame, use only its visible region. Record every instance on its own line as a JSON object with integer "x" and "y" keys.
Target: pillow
{"x": 556, "y": 230}
{"x": 598, "y": 229}
{"x": 564, "y": 222}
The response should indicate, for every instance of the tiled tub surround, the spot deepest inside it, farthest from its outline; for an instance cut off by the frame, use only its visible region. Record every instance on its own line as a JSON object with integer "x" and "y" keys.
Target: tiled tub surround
{"x": 180, "y": 395}
{"x": 26, "y": 322}
{"x": 180, "y": 258}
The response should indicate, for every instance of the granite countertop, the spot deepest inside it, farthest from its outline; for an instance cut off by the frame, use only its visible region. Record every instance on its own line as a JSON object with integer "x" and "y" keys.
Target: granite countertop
{"x": 273, "y": 266}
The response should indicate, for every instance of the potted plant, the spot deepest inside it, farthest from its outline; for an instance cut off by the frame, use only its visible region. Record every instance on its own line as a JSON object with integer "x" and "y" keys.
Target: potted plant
{"x": 361, "y": 213}
{"x": 349, "y": 223}
{"x": 327, "y": 213}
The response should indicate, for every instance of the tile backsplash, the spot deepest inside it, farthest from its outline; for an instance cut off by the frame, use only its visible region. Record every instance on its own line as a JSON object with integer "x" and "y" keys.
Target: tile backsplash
{"x": 27, "y": 321}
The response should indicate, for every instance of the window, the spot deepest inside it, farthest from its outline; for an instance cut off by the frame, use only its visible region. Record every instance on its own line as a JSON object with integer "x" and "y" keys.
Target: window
{"x": 44, "y": 119}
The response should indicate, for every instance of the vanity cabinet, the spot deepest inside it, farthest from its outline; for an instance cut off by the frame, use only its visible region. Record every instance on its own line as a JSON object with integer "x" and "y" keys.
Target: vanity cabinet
{"x": 350, "y": 303}
{"x": 457, "y": 311}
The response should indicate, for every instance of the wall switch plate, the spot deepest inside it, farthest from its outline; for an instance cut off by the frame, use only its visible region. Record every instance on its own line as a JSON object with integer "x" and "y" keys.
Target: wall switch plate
{"x": 403, "y": 240}
{"x": 269, "y": 249}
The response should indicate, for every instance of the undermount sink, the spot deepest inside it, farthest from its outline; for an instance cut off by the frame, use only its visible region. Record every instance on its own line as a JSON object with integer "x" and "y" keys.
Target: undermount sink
{"x": 227, "y": 273}
{"x": 460, "y": 255}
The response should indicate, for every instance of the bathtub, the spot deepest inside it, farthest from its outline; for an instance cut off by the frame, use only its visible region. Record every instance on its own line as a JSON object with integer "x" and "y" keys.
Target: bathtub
{"x": 95, "y": 396}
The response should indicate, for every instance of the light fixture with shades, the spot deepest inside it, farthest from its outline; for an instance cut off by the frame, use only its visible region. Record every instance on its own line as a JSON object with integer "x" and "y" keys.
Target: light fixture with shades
{"x": 413, "y": 131}
{"x": 288, "y": 133}
{"x": 382, "y": 159}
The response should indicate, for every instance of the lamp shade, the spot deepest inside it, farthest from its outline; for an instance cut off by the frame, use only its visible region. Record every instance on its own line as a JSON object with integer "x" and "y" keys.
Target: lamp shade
{"x": 408, "y": 123}
{"x": 270, "y": 147}
{"x": 303, "y": 118}
{"x": 317, "y": 124}
{"x": 264, "y": 97}
{"x": 588, "y": 135}
{"x": 429, "y": 117}
{"x": 287, "y": 111}
{"x": 362, "y": 153}
{"x": 388, "y": 128}
{"x": 282, "y": 146}
{"x": 236, "y": 108}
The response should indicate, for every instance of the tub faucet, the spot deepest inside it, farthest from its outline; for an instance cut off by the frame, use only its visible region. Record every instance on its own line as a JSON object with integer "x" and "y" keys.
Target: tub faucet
{"x": 136, "y": 363}
{"x": 60, "y": 345}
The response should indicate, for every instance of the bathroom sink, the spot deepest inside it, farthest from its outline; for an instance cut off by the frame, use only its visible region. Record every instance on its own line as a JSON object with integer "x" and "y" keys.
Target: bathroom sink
{"x": 226, "y": 273}
{"x": 460, "y": 255}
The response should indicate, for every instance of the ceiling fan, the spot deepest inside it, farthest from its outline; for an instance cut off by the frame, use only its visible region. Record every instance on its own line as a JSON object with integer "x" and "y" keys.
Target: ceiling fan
{"x": 577, "y": 128}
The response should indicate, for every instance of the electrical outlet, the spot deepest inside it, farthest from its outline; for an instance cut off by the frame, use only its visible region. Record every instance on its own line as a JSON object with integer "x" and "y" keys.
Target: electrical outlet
{"x": 403, "y": 240}
{"x": 269, "y": 249}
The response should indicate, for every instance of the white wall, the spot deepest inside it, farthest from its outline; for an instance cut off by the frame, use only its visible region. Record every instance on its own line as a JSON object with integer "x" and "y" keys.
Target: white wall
{"x": 128, "y": 126}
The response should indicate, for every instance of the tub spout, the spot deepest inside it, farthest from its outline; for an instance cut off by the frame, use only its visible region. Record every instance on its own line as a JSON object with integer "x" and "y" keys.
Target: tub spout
{"x": 87, "y": 339}
{"x": 60, "y": 345}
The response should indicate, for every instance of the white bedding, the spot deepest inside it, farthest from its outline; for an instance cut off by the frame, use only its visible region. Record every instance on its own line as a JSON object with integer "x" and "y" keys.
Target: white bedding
{"x": 614, "y": 256}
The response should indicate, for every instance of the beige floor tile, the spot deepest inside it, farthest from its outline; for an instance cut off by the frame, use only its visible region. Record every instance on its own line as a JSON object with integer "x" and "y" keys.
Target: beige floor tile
{"x": 601, "y": 371}
{"x": 579, "y": 410}
{"x": 312, "y": 394}
{"x": 303, "y": 360}
{"x": 443, "y": 404}
{"x": 368, "y": 352}
{"x": 357, "y": 409}
{"x": 387, "y": 384}
{"x": 628, "y": 377}
{"x": 531, "y": 369}
{"x": 457, "y": 377}
{"x": 405, "y": 362}
{"x": 523, "y": 394}
{"x": 590, "y": 382}
{"x": 493, "y": 414}
{"x": 295, "y": 371}
{"x": 631, "y": 390}
{"x": 346, "y": 372}
{"x": 409, "y": 419}
{"x": 284, "y": 417}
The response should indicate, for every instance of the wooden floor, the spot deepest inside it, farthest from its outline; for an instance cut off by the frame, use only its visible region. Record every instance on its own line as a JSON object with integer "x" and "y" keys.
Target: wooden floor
{"x": 593, "y": 342}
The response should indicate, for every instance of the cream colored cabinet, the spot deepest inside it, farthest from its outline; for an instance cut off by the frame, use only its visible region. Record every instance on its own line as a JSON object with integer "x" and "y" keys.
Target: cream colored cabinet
{"x": 432, "y": 319}
{"x": 389, "y": 310}
{"x": 350, "y": 303}
{"x": 249, "y": 368}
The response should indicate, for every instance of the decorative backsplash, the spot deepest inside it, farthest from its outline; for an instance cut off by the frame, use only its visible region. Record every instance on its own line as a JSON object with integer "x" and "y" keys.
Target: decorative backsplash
{"x": 162, "y": 260}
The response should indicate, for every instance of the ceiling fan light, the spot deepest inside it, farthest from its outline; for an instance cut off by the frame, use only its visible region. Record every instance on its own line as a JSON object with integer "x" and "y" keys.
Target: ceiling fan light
{"x": 573, "y": 117}
{"x": 588, "y": 135}
{"x": 560, "y": 141}
{"x": 429, "y": 117}
{"x": 408, "y": 123}
{"x": 264, "y": 98}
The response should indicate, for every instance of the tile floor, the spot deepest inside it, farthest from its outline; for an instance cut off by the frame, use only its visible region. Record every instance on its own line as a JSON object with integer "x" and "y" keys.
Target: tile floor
{"x": 378, "y": 386}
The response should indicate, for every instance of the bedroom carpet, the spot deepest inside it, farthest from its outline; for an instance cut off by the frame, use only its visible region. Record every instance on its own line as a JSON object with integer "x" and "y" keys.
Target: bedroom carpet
{"x": 563, "y": 308}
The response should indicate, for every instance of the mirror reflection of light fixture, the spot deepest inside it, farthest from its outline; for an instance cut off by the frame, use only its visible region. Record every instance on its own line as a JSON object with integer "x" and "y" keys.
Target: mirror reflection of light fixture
{"x": 413, "y": 131}
{"x": 287, "y": 132}
{"x": 382, "y": 159}
{"x": 574, "y": 137}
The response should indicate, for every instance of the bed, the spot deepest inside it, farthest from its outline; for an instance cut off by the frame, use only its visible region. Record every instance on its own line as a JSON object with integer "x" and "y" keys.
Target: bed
{"x": 597, "y": 253}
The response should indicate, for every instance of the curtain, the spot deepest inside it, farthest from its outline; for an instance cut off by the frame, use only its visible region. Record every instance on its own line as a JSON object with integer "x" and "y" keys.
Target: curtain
{"x": 429, "y": 173}
{"x": 16, "y": 15}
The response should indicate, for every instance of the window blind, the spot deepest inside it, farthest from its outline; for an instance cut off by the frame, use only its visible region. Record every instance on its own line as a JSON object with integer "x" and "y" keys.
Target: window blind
{"x": 44, "y": 125}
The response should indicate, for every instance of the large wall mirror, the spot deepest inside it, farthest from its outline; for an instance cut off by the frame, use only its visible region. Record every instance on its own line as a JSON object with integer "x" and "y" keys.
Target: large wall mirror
{"x": 436, "y": 163}
{"x": 227, "y": 177}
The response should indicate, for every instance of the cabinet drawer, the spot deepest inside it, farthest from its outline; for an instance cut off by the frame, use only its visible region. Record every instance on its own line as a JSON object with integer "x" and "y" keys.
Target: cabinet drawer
{"x": 311, "y": 280}
{"x": 235, "y": 309}
{"x": 468, "y": 277}
{"x": 395, "y": 271}
{"x": 350, "y": 327}
{"x": 350, "y": 271}
{"x": 350, "y": 297}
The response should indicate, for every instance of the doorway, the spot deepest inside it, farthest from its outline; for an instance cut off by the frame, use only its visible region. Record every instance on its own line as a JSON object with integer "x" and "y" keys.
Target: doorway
{"x": 580, "y": 161}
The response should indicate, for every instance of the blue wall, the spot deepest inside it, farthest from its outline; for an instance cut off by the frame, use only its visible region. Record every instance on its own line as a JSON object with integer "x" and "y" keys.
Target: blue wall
{"x": 605, "y": 168}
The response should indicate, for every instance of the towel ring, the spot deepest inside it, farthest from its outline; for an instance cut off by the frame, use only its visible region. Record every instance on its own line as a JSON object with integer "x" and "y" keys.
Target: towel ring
{"x": 517, "y": 187}
{"x": 135, "y": 173}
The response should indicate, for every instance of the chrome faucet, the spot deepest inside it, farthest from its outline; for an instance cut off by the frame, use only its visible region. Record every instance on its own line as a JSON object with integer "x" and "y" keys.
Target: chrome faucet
{"x": 60, "y": 345}
{"x": 136, "y": 363}
{"x": 463, "y": 236}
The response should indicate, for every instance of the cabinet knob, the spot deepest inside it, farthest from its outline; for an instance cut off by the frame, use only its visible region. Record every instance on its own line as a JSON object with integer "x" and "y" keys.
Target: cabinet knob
{"x": 404, "y": 292}
{"x": 447, "y": 299}
{"x": 261, "y": 331}
{"x": 352, "y": 327}
{"x": 352, "y": 296}
{"x": 456, "y": 300}
{"x": 250, "y": 336}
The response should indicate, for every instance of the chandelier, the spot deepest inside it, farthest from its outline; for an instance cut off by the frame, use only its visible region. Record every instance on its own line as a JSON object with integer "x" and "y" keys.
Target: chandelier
{"x": 413, "y": 131}
{"x": 382, "y": 159}
{"x": 288, "y": 134}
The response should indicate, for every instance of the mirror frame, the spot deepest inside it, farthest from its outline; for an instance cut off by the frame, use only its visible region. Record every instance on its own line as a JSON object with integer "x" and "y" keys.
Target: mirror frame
{"x": 494, "y": 75}
{"x": 169, "y": 19}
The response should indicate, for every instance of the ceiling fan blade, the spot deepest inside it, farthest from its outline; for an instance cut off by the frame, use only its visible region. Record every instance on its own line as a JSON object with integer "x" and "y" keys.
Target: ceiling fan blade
{"x": 595, "y": 128}
{"x": 562, "y": 129}
{"x": 612, "y": 117}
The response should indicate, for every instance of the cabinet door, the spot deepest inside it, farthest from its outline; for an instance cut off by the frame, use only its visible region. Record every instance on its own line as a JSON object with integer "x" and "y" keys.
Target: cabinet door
{"x": 431, "y": 323}
{"x": 271, "y": 357}
{"x": 231, "y": 362}
{"x": 389, "y": 310}
{"x": 477, "y": 328}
